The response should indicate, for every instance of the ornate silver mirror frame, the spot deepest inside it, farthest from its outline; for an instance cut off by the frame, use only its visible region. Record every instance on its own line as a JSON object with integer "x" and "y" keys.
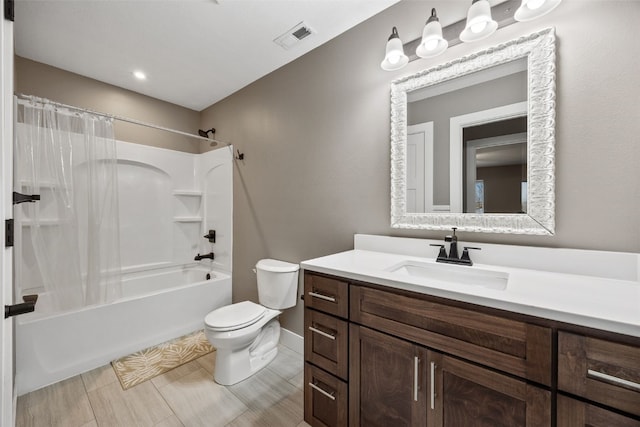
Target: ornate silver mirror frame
{"x": 539, "y": 49}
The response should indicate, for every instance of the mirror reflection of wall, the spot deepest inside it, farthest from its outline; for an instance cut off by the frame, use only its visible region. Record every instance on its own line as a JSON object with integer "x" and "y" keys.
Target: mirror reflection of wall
{"x": 495, "y": 167}
{"x": 498, "y": 86}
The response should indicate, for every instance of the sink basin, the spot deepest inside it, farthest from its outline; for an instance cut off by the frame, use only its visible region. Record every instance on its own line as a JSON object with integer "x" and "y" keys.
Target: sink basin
{"x": 455, "y": 274}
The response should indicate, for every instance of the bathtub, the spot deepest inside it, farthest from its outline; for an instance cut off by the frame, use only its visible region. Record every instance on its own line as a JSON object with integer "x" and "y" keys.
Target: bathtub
{"x": 157, "y": 306}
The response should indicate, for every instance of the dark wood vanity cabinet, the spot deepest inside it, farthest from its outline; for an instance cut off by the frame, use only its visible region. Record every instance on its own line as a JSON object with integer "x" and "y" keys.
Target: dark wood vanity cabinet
{"x": 326, "y": 339}
{"x": 432, "y": 384}
{"x": 406, "y": 359}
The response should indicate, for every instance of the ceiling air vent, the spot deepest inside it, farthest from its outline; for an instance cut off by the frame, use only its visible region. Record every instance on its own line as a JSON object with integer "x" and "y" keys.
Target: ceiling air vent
{"x": 294, "y": 36}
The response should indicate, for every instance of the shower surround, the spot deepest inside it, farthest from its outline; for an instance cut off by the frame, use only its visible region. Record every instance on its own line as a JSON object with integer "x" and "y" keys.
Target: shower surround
{"x": 168, "y": 200}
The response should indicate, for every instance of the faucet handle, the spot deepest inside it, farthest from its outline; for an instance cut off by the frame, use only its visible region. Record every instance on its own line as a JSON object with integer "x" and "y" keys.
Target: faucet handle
{"x": 442, "y": 253}
{"x": 465, "y": 254}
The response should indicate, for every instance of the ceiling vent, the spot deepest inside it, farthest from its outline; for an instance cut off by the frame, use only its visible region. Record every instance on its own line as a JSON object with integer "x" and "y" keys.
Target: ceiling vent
{"x": 294, "y": 36}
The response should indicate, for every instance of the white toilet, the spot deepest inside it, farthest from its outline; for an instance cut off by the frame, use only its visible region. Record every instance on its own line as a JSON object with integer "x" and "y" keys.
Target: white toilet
{"x": 246, "y": 334}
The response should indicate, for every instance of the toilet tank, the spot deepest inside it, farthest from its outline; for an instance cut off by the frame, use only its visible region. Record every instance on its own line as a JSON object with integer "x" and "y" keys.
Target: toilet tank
{"x": 277, "y": 283}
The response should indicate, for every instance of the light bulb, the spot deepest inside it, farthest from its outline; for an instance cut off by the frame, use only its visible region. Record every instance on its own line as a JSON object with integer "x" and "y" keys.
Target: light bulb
{"x": 431, "y": 44}
{"x": 535, "y": 4}
{"x": 394, "y": 57}
{"x": 478, "y": 27}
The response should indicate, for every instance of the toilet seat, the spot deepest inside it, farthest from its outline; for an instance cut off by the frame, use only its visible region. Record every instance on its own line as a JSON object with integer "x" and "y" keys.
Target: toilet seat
{"x": 234, "y": 316}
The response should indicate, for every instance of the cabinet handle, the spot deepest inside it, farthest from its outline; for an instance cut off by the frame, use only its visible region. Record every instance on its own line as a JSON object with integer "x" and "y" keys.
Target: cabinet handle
{"x": 613, "y": 379}
{"x": 433, "y": 384}
{"x": 324, "y": 297}
{"x": 416, "y": 362}
{"x": 326, "y": 393}
{"x": 324, "y": 334}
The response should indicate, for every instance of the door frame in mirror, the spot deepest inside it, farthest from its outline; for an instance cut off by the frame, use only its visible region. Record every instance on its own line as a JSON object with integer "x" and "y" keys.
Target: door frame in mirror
{"x": 539, "y": 49}
{"x": 456, "y": 142}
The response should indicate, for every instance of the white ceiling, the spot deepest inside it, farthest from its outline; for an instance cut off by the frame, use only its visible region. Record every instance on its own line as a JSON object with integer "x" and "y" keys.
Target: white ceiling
{"x": 195, "y": 52}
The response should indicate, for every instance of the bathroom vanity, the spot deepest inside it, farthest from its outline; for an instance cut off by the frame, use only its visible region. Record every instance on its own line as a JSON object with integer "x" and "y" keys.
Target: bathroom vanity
{"x": 386, "y": 345}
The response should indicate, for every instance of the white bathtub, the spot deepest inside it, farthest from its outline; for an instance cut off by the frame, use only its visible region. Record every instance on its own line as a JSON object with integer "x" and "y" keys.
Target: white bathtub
{"x": 158, "y": 305}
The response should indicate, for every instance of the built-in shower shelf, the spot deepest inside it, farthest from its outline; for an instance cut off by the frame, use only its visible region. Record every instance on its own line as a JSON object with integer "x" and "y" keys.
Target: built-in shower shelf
{"x": 42, "y": 222}
{"x": 187, "y": 219}
{"x": 44, "y": 184}
{"x": 191, "y": 193}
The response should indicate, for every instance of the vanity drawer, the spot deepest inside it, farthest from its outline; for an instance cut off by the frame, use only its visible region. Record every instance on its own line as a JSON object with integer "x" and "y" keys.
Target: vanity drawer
{"x": 325, "y": 398}
{"x": 600, "y": 370}
{"x": 326, "y": 294}
{"x": 326, "y": 340}
{"x": 509, "y": 345}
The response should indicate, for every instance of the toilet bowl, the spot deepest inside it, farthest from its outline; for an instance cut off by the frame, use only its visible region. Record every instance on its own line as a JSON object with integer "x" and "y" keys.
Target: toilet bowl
{"x": 246, "y": 334}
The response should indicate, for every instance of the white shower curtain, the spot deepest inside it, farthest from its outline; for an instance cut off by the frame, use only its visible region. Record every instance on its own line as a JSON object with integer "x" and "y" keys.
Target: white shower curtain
{"x": 69, "y": 159}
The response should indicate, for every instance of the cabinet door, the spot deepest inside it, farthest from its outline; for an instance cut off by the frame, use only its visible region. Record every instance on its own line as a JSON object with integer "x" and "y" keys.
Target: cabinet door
{"x": 574, "y": 413}
{"x": 387, "y": 380}
{"x": 468, "y": 395}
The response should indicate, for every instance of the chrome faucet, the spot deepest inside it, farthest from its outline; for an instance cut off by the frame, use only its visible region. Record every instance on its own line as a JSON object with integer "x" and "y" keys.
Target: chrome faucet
{"x": 453, "y": 258}
{"x": 199, "y": 257}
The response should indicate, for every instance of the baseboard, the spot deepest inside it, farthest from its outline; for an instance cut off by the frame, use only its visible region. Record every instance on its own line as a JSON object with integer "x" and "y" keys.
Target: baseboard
{"x": 292, "y": 340}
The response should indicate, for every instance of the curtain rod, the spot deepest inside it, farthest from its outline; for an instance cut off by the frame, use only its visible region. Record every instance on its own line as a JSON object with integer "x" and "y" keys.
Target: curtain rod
{"x": 114, "y": 117}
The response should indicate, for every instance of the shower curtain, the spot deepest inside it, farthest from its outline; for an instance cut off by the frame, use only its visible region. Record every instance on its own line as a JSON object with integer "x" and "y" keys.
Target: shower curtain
{"x": 70, "y": 238}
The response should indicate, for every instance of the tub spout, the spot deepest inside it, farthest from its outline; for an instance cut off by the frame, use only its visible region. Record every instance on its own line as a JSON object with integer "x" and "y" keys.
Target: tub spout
{"x": 199, "y": 257}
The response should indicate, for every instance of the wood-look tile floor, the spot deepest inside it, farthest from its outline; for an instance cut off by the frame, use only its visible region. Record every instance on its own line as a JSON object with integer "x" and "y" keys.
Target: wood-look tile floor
{"x": 183, "y": 397}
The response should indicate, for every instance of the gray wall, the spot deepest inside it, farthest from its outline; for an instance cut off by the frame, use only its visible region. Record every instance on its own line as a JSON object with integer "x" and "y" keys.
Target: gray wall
{"x": 316, "y": 138}
{"x": 34, "y": 78}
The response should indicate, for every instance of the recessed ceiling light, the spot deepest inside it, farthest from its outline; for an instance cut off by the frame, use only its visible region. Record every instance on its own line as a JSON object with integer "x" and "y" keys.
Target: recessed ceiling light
{"x": 139, "y": 75}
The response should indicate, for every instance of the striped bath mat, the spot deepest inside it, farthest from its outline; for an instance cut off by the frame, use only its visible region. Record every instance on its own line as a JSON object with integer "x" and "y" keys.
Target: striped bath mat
{"x": 146, "y": 364}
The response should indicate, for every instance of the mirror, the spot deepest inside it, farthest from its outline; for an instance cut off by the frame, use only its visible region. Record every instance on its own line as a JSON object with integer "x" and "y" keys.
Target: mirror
{"x": 472, "y": 141}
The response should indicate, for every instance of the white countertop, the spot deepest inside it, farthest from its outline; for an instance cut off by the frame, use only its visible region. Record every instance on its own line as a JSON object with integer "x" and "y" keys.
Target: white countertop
{"x": 596, "y": 302}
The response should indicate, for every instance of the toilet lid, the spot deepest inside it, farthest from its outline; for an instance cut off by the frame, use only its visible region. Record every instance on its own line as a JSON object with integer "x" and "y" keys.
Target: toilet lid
{"x": 234, "y": 316}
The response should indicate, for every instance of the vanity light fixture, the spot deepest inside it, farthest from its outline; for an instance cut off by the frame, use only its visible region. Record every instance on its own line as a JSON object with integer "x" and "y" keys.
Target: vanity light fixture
{"x": 394, "y": 58}
{"x": 532, "y": 9}
{"x": 480, "y": 24}
{"x": 482, "y": 21}
{"x": 432, "y": 44}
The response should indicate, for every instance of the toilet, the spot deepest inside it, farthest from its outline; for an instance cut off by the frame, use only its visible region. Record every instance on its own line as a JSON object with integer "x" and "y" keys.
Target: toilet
{"x": 246, "y": 334}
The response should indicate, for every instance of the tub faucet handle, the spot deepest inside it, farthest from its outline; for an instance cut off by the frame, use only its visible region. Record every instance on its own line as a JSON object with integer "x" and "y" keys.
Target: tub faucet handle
{"x": 211, "y": 236}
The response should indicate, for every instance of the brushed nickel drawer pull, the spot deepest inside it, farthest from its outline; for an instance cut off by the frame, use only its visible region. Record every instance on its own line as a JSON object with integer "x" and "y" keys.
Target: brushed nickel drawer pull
{"x": 416, "y": 362}
{"x": 613, "y": 379}
{"x": 324, "y": 297}
{"x": 324, "y": 334}
{"x": 433, "y": 385}
{"x": 329, "y": 395}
